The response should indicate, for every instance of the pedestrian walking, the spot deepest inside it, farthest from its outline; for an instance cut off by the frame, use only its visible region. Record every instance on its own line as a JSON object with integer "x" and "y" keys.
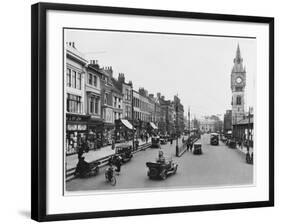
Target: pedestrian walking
{"x": 171, "y": 140}
{"x": 137, "y": 144}
{"x": 80, "y": 151}
{"x": 113, "y": 144}
{"x": 187, "y": 146}
{"x": 146, "y": 138}
{"x": 118, "y": 163}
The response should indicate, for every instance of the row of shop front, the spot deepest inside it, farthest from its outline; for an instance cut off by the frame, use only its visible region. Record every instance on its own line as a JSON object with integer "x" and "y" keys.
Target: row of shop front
{"x": 99, "y": 133}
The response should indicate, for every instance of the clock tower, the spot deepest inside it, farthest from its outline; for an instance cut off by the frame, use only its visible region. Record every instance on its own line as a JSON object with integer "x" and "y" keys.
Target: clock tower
{"x": 238, "y": 83}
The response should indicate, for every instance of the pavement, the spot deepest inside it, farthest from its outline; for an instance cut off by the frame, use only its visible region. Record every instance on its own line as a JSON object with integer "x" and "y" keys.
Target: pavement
{"x": 244, "y": 149}
{"x": 92, "y": 155}
{"x": 217, "y": 166}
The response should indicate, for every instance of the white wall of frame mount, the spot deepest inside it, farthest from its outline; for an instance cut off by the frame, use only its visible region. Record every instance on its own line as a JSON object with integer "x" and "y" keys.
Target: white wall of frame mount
{"x": 15, "y": 91}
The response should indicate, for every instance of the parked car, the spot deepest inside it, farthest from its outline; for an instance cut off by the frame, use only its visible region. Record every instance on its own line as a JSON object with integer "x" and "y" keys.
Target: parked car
{"x": 155, "y": 142}
{"x": 163, "y": 139}
{"x": 125, "y": 151}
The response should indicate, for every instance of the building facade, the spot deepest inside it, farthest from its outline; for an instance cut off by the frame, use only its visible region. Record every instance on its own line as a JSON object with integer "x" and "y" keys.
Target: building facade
{"x": 238, "y": 83}
{"x": 76, "y": 118}
{"x": 93, "y": 104}
{"x": 123, "y": 125}
{"x": 207, "y": 125}
{"x": 107, "y": 106}
{"x": 227, "y": 121}
{"x": 179, "y": 114}
{"x": 167, "y": 121}
{"x": 243, "y": 130}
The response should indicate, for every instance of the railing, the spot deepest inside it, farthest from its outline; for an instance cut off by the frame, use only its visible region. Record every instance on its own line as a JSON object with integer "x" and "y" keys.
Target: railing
{"x": 102, "y": 161}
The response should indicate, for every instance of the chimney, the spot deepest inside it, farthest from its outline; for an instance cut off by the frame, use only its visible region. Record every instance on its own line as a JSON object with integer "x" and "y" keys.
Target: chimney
{"x": 109, "y": 71}
{"x": 146, "y": 92}
{"x": 142, "y": 91}
{"x": 121, "y": 78}
{"x": 94, "y": 63}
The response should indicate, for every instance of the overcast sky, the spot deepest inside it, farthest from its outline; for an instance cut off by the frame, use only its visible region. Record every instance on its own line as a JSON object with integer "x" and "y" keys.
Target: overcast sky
{"x": 197, "y": 68}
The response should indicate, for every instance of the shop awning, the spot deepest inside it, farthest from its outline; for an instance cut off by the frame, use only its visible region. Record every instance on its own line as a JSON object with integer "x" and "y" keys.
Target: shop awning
{"x": 127, "y": 124}
{"x": 153, "y": 125}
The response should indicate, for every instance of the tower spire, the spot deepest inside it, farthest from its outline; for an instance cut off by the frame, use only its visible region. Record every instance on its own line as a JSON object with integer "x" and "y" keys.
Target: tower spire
{"x": 238, "y": 54}
{"x": 238, "y": 59}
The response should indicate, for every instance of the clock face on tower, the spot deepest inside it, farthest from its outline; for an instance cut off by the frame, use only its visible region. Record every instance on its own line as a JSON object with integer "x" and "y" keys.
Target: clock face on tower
{"x": 238, "y": 80}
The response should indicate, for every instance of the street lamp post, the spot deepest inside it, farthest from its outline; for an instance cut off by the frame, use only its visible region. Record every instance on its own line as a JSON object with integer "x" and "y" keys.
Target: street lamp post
{"x": 177, "y": 140}
{"x": 132, "y": 104}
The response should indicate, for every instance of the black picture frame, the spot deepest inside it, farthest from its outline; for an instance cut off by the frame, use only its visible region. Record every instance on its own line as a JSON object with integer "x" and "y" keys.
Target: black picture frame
{"x": 39, "y": 114}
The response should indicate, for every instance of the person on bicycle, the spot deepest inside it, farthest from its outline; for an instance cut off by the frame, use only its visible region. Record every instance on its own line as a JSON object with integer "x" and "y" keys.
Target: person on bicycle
{"x": 118, "y": 163}
{"x": 109, "y": 171}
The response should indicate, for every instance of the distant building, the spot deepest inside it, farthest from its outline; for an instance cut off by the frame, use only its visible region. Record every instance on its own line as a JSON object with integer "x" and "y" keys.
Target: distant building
{"x": 126, "y": 89}
{"x": 207, "y": 125}
{"x": 167, "y": 121}
{"x": 123, "y": 125}
{"x": 179, "y": 114}
{"x": 227, "y": 121}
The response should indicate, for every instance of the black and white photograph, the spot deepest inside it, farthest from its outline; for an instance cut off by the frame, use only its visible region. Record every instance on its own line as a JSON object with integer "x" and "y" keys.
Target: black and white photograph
{"x": 155, "y": 111}
{"x": 141, "y": 111}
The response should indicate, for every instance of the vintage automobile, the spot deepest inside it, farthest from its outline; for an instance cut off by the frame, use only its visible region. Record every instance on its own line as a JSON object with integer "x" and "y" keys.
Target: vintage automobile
{"x": 155, "y": 142}
{"x": 231, "y": 143}
{"x": 214, "y": 139}
{"x": 197, "y": 148}
{"x": 163, "y": 139}
{"x": 125, "y": 151}
{"x": 161, "y": 170}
